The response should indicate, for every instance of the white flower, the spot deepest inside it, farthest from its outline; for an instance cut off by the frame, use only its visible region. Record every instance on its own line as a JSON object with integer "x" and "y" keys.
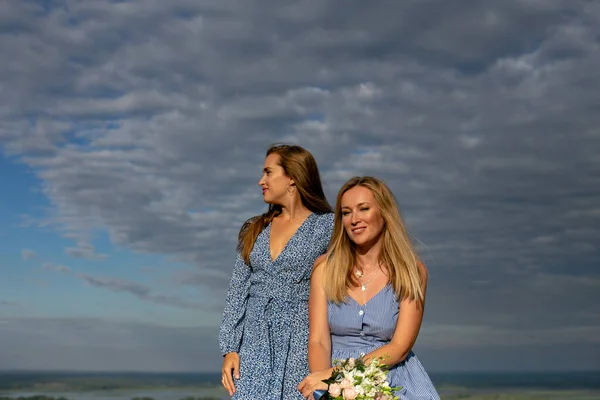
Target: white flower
{"x": 368, "y": 384}
{"x": 350, "y": 364}
{"x": 379, "y": 379}
{"x": 346, "y": 383}
{"x": 360, "y": 390}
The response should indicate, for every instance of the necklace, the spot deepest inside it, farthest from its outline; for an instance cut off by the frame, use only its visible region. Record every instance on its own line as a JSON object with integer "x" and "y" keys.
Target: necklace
{"x": 359, "y": 274}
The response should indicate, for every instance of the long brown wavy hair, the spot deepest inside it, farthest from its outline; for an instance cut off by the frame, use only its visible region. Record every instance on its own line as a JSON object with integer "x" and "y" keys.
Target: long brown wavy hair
{"x": 298, "y": 164}
{"x": 397, "y": 252}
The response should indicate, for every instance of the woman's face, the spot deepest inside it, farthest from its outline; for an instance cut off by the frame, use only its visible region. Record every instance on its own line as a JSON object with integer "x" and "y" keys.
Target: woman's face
{"x": 274, "y": 182}
{"x": 361, "y": 217}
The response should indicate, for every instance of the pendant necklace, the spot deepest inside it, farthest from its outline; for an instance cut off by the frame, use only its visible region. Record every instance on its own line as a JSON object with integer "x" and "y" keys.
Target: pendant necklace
{"x": 359, "y": 274}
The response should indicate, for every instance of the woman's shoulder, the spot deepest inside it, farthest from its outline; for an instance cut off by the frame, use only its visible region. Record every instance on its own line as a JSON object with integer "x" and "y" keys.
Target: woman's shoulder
{"x": 325, "y": 218}
{"x": 318, "y": 268}
{"x": 323, "y": 222}
{"x": 249, "y": 223}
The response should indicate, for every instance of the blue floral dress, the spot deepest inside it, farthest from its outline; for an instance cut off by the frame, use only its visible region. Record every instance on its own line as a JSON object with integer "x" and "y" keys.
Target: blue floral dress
{"x": 266, "y": 312}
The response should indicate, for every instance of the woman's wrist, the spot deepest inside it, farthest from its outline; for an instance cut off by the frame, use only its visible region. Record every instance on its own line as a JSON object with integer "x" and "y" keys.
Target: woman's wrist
{"x": 325, "y": 373}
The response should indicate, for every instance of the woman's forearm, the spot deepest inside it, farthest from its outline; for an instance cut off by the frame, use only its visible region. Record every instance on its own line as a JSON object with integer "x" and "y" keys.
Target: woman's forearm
{"x": 390, "y": 353}
{"x": 319, "y": 357}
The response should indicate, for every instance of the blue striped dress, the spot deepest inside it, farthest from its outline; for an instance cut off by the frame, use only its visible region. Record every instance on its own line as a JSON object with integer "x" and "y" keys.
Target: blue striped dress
{"x": 357, "y": 330}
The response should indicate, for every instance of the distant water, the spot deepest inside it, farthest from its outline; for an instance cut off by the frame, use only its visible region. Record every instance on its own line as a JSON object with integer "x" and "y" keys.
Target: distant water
{"x": 176, "y": 386}
{"x": 124, "y": 394}
{"x": 111, "y": 385}
{"x": 520, "y": 380}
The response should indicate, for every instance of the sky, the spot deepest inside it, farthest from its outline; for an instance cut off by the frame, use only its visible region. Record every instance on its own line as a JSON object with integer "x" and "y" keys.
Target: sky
{"x": 133, "y": 134}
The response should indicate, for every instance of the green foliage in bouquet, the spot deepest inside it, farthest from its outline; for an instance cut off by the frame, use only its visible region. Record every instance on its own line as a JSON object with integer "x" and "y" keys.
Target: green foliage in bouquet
{"x": 354, "y": 379}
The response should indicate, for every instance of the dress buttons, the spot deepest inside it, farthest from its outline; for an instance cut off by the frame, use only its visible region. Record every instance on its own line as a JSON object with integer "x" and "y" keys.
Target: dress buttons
{"x": 361, "y": 312}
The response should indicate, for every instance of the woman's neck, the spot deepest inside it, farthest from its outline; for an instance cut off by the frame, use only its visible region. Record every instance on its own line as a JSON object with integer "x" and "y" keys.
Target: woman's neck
{"x": 294, "y": 210}
{"x": 367, "y": 255}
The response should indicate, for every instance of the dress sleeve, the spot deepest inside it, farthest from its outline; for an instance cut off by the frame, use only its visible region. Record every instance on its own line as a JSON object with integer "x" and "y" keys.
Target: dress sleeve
{"x": 232, "y": 324}
{"x": 328, "y": 229}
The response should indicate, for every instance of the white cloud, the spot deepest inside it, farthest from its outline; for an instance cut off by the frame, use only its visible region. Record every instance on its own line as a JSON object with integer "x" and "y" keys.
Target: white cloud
{"x": 84, "y": 251}
{"x": 27, "y": 254}
{"x": 56, "y": 268}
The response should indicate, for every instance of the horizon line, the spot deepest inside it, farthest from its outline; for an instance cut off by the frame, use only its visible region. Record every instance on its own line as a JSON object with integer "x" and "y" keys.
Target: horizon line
{"x": 218, "y": 372}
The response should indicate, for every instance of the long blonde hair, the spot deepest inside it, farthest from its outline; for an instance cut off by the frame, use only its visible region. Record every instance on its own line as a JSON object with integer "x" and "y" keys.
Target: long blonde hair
{"x": 397, "y": 253}
{"x": 300, "y": 165}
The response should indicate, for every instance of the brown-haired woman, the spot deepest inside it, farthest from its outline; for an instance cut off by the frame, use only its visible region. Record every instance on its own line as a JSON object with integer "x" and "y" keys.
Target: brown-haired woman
{"x": 264, "y": 331}
{"x": 368, "y": 293}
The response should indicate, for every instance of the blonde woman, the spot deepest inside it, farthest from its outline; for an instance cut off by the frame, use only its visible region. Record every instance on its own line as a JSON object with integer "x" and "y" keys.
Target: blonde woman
{"x": 264, "y": 331}
{"x": 368, "y": 292}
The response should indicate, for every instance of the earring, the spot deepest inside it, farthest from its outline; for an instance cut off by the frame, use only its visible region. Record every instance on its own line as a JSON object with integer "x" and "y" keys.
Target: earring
{"x": 291, "y": 189}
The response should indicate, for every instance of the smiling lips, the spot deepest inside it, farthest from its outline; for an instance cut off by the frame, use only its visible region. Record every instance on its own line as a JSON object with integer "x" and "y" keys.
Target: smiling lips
{"x": 264, "y": 190}
{"x": 358, "y": 230}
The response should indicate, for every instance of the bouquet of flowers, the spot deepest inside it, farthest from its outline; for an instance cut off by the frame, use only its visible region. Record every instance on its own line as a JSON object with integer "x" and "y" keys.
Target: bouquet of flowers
{"x": 352, "y": 379}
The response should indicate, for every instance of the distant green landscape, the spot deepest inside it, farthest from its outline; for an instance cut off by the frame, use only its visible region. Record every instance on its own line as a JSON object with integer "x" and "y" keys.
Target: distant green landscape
{"x": 533, "y": 395}
{"x": 530, "y": 395}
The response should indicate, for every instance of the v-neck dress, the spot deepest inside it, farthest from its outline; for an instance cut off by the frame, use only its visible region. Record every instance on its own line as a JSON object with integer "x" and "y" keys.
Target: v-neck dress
{"x": 266, "y": 312}
{"x": 359, "y": 329}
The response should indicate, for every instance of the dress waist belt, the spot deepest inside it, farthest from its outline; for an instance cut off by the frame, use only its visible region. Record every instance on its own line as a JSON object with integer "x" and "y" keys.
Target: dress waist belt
{"x": 279, "y": 293}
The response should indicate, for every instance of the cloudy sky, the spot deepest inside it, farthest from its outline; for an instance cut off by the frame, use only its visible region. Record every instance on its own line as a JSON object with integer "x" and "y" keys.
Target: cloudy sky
{"x": 132, "y": 135}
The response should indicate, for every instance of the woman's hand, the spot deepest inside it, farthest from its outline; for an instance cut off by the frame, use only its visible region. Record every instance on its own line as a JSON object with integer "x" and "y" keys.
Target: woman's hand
{"x": 314, "y": 382}
{"x": 231, "y": 368}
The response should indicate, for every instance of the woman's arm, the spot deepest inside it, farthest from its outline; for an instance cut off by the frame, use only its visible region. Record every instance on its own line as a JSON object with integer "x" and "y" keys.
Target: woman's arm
{"x": 319, "y": 339}
{"x": 232, "y": 325}
{"x": 410, "y": 317}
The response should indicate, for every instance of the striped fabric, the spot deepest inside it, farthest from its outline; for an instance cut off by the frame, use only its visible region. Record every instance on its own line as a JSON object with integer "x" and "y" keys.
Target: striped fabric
{"x": 357, "y": 330}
